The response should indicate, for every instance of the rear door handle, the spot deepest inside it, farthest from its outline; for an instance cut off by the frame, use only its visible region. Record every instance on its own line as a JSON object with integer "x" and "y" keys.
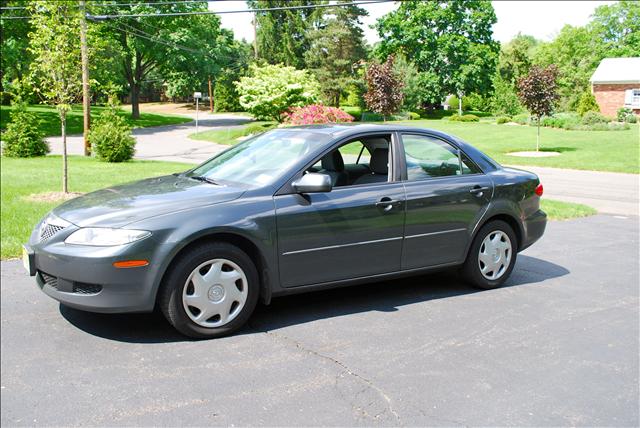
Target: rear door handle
{"x": 478, "y": 190}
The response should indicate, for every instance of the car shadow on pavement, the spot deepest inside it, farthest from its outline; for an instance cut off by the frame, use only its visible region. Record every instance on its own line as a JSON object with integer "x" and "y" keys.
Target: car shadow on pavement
{"x": 384, "y": 296}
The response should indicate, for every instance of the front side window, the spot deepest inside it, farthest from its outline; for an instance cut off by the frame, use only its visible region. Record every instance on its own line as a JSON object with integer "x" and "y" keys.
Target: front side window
{"x": 260, "y": 160}
{"x": 429, "y": 157}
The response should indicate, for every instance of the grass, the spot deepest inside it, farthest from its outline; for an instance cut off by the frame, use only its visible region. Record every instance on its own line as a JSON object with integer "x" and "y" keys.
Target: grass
{"x": 229, "y": 136}
{"x": 615, "y": 151}
{"x": 558, "y": 210}
{"x": 50, "y": 121}
{"x": 23, "y": 177}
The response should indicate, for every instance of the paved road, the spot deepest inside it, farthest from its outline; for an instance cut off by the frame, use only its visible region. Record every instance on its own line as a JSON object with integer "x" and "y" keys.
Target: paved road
{"x": 557, "y": 346}
{"x": 608, "y": 192}
{"x": 168, "y": 143}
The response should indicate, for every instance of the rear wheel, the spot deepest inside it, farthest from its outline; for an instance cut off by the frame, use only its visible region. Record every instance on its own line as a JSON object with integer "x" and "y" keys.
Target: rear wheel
{"x": 210, "y": 291}
{"x": 492, "y": 256}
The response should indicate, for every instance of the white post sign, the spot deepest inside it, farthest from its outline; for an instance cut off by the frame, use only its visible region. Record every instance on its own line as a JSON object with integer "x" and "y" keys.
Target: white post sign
{"x": 197, "y": 96}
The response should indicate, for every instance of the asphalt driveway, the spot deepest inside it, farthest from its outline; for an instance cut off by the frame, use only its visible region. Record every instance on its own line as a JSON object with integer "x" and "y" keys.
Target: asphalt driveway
{"x": 557, "y": 346}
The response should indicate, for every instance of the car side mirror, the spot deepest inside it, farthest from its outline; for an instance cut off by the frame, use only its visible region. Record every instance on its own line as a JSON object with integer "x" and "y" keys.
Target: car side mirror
{"x": 313, "y": 182}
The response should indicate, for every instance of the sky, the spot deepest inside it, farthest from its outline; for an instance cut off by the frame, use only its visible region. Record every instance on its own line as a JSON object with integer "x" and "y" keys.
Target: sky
{"x": 541, "y": 19}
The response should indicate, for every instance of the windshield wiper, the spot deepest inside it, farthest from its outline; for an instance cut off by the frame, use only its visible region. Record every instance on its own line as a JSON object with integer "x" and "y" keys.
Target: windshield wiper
{"x": 205, "y": 179}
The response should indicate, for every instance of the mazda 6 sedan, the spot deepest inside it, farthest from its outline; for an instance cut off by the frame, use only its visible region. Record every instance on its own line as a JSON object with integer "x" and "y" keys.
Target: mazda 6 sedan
{"x": 287, "y": 211}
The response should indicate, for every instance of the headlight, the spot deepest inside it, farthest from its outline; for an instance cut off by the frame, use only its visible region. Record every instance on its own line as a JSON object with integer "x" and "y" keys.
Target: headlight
{"x": 105, "y": 237}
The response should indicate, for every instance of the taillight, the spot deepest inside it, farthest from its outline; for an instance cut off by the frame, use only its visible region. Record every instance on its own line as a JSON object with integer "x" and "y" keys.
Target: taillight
{"x": 539, "y": 189}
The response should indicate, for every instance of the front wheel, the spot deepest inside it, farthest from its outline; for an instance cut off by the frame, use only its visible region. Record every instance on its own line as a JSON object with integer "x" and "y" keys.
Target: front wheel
{"x": 210, "y": 291}
{"x": 492, "y": 256}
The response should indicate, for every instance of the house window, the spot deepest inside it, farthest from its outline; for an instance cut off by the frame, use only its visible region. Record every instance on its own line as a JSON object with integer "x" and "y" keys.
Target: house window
{"x": 632, "y": 98}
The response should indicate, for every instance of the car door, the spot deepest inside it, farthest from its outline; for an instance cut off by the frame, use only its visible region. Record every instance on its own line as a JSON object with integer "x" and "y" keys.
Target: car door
{"x": 351, "y": 231}
{"x": 447, "y": 194}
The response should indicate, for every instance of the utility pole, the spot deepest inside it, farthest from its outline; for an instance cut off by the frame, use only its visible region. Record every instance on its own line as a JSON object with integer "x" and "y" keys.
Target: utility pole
{"x": 255, "y": 35}
{"x": 210, "y": 97}
{"x": 86, "y": 106}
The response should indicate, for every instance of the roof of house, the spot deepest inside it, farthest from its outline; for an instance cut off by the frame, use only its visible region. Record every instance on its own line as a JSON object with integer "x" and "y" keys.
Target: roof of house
{"x": 617, "y": 70}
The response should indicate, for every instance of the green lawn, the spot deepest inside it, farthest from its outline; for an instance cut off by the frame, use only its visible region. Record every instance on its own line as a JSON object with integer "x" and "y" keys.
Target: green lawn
{"x": 229, "y": 136}
{"x": 23, "y": 177}
{"x": 558, "y": 210}
{"x": 617, "y": 151}
{"x": 51, "y": 121}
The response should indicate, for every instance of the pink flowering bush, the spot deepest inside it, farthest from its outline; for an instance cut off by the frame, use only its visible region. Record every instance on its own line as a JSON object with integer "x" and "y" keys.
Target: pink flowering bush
{"x": 316, "y": 113}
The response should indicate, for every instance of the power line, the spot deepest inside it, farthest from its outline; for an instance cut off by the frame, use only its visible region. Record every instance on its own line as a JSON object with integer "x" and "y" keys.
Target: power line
{"x": 210, "y": 12}
{"x": 119, "y": 4}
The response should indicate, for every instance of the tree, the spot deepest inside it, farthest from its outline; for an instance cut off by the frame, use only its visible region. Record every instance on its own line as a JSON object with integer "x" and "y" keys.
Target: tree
{"x": 15, "y": 58}
{"x": 283, "y": 35}
{"x": 183, "y": 51}
{"x": 452, "y": 41}
{"x": 421, "y": 90}
{"x": 55, "y": 46}
{"x": 225, "y": 93}
{"x": 384, "y": 88}
{"x": 618, "y": 26}
{"x": 538, "y": 93}
{"x": 334, "y": 49}
{"x": 271, "y": 90}
{"x": 516, "y": 58}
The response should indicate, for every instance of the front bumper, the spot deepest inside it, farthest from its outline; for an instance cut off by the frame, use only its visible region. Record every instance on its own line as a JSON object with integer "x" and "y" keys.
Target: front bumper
{"x": 84, "y": 277}
{"x": 534, "y": 227}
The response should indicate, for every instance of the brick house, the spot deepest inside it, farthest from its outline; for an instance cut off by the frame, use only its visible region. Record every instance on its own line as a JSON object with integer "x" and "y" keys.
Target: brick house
{"x": 616, "y": 84}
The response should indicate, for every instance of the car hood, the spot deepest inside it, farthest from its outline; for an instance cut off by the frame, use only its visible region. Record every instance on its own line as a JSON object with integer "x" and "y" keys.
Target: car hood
{"x": 120, "y": 205}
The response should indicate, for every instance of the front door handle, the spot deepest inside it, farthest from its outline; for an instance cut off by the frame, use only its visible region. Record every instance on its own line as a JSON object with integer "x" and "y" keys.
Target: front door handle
{"x": 387, "y": 203}
{"x": 478, "y": 190}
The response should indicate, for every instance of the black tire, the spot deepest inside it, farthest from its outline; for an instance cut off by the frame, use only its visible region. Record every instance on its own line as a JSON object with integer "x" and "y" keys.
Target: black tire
{"x": 170, "y": 294}
{"x": 471, "y": 268}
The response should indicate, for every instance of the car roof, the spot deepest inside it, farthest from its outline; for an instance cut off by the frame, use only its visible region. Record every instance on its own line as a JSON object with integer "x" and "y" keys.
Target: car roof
{"x": 340, "y": 130}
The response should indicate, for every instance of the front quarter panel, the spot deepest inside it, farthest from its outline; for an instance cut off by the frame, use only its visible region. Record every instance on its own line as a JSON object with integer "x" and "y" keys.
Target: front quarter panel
{"x": 250, "y": 217}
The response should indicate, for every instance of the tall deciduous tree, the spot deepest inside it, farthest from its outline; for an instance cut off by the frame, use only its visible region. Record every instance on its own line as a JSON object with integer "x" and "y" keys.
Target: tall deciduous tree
{"x": 183, "y": 50}
{"x": 452, "y": 41}
{"x": 55, "y": 45}
{"x": 283, "y": 35}
{"x": 335, "y": 48}
{"x": 384, "y": 88}
{"x": 15, "y": 58}
{"x": 538, "y": 93}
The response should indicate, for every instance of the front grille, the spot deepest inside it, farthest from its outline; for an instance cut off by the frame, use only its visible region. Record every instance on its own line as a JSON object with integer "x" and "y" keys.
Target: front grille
{"x": 49, "y": 230}
{"x": 84, "y": 288}
{"x": 69, "y": 286}
{"x": 50, "y": 280}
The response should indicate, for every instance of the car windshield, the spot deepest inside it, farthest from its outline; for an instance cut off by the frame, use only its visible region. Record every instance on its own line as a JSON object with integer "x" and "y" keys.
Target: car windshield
{"x": 261, "y": 160}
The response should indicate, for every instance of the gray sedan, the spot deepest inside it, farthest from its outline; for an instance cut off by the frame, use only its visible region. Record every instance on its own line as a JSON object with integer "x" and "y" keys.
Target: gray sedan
{"x": 288, "y": 211}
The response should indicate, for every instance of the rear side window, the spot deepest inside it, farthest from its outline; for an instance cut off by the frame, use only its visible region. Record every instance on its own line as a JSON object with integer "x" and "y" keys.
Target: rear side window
{"x": 429, "y": 157}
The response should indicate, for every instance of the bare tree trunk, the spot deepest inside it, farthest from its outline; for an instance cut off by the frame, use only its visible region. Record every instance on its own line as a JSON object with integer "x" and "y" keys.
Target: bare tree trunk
{"x": 63, "y": 122}
{"x": 135, "y": 101}
{"x": 86, "y": 107}
{"x": 538, "y": 136}
{"x": 459, "y": 104}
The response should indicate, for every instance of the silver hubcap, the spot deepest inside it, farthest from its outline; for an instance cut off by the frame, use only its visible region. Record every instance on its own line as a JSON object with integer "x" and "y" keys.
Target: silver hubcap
{"x": 215, "y": 293}
{"x": 495, "y": 255}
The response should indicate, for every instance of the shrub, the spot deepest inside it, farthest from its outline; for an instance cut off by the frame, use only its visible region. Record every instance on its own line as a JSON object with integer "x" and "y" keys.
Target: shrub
{"x": 23, "y": 138}
{"x": 413, "y": 115}
{"x": 271, "y": 90}
{"x": 587, "y": 103}
{"x": 522, "y": 119}
{"x": 504, "y": 99}
{"x": 453, "y": 101}
{"x": 503, "y": 119}
{"x": 592, "y": 117}
{"x": 562, "y": 120}
{"x": 464, "y": 118}
{"x": 477, "y": 102}
{"x": 626, "y": 115}
{"x": 110, "y": 137}
{"x": 316, "y": 113}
